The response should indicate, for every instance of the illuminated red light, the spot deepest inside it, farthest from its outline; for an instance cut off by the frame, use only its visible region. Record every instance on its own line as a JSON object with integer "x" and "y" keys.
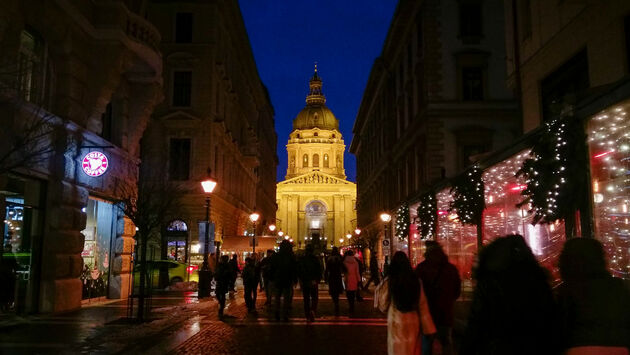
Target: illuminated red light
{"x": 442, "y": 213}
{"x": 603, "y": 154}
{"x": 192, "y": 268}
{"x": 518, "y": 187}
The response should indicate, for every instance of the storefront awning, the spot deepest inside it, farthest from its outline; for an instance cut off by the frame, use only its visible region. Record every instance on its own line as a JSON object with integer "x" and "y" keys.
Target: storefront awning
{"x": 242, "y": 244}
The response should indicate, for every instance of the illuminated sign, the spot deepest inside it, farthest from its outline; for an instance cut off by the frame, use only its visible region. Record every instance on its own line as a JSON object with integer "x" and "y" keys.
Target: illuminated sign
{"x": 95, "y": 164}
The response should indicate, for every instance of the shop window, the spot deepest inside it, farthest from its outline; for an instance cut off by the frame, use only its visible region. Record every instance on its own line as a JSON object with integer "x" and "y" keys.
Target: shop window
{"x": 179, "y": 159}
{"x": 470, "y": 21}
{"x": 326, "y": 163}
{"x": 31, "y": 67}
{"x": 99, "y": 235}
{"x": 182, "y": 87}
{"x": 316, "y": 160}
{"x": 183, "y": 27}
{"x": 472, "y": 83}
{"x": 502, "y": 216}
{"x": 609, "y": 146}
{"x": 562, "y": 88}
{"x": 20, "y": 200}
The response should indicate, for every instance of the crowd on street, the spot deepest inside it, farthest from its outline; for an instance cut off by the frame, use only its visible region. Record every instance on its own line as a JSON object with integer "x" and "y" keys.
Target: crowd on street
{"x": 514, "y": 309}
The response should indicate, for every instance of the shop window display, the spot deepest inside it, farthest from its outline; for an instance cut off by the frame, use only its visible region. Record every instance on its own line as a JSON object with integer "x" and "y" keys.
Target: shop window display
{"x": 459, "y": 240}
{"x": 502, "y": 216}
{"x": 609, "y": 146}
{"x": 99, "y": 233}
{"x": 20, "y": 199}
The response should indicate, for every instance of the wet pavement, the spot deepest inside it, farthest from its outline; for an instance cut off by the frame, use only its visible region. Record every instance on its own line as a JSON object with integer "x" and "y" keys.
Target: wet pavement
{"x": 183, "y": 325}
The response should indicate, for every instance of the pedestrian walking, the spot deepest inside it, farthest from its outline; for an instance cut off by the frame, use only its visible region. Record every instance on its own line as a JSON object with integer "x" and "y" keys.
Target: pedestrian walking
{"x": 284, "y": 277}
{"x": 352, "y": 278}
{"x": 309, "y": 275}
{"x": 512, "y": 307}
{"x": 333, "y": 276}
{"x": 442, "y": 286}
{"x": 401, "y": 295}
{"x": 223, "y": 278}
{"x": 234, "y": 272}
{"x": 265, "y": 271}
{"x": 250, "y": 284}
{"x": 375, "y": 273}
{"x": 593, "y": 306}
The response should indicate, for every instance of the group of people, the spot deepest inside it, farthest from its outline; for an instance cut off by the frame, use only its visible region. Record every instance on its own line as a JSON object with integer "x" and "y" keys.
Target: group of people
{"x": 279, "y": 272}
{"x": 514, "y": 309}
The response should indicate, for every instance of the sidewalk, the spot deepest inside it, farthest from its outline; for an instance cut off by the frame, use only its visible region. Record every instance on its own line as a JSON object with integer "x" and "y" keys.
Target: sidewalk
{"x": 98, "y": 328}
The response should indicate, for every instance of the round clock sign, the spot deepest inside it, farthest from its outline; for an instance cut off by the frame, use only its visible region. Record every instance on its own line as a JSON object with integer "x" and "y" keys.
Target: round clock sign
{"x": 95, "y": 164}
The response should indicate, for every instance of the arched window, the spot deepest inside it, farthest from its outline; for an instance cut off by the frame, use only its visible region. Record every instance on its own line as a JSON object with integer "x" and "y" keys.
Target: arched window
{"x": 316, "y": 160}
{"x": 305, "y": 161}
{"x": 326, "y": 164}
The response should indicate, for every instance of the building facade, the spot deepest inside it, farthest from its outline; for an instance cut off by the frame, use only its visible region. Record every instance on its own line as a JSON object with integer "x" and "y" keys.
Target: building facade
{"x": 316, "y": 204}
{"x": 216, "y": 115}
{"x": 435, "y": 98}
{"x": 77, "y": 85}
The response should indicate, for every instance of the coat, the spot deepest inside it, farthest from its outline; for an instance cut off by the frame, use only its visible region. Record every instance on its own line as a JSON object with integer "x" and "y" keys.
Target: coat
{"x": 309, "y": 270}
{"x": 223, "y": 276}
{"x": 442, "y": 286}
{"x": 334, "y": 274}
{"x": 404, "y": 330}
{"x": 352, "y": 273}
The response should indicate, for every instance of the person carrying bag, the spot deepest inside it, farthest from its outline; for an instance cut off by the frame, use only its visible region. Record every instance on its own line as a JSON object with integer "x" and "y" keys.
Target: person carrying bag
{"x": 401, "y": 296}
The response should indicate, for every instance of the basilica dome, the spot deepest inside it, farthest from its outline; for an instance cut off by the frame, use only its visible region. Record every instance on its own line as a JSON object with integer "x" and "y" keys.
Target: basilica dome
{"x": 315, "y": 114}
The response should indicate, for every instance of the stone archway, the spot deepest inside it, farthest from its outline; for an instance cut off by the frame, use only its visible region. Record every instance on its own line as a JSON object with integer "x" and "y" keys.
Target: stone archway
{"x": 315, "y": 219}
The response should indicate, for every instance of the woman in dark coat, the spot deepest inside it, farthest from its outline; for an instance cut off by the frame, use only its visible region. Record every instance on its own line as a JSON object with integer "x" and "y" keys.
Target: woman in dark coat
{"x": 594, "y": 307}
{"x": 333, "y": 276}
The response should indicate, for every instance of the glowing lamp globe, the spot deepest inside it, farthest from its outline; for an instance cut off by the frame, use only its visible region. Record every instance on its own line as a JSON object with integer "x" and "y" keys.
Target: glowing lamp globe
{"x": 272, "y": 227}
{"x": 357, "y": 231}
{"x": 386, "y": 217}
{"x": 254, "y": 217}
{"x": 280, "y": 233}
{"x": 208, "y": 185}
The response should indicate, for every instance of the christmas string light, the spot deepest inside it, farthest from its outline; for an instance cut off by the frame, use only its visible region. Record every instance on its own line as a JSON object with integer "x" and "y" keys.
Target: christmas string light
{"x": 402, "y": 221}
{"x": 427, "y": 216}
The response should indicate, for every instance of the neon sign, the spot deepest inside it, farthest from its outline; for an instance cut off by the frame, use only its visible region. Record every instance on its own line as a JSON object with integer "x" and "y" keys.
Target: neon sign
{"x": 95, "y": 164}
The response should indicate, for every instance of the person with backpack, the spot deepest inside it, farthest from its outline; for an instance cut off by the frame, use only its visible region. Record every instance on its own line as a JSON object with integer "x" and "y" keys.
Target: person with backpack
{"x": 265, "y": 273}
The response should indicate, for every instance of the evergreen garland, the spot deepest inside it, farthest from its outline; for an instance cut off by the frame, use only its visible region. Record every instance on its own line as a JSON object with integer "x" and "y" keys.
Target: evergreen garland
{"x": 402, "y": 221}
{"x": 427, "y": 216}
{"x": 555, "y": 172}
{"x": 468, "y": 196}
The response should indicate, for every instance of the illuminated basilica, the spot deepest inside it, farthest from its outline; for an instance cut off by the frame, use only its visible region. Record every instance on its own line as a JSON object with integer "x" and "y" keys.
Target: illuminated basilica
{"x": 316, "y": 204}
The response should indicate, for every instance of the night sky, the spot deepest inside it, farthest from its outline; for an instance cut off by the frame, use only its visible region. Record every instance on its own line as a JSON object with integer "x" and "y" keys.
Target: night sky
{"x": 343, "y": 37}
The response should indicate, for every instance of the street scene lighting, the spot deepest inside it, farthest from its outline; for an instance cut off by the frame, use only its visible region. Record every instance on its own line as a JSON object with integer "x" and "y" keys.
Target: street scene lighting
{"x": 357, "y": 231}
{"x": 208, "y": 186}
{"x": 386, "y": 217}
{"x": 272, "y": 227}
{"x": 254, "y": 216}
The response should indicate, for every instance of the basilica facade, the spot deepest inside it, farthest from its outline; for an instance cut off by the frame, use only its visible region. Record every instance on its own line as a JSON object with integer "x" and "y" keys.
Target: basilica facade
{"x": 316, "y": 204}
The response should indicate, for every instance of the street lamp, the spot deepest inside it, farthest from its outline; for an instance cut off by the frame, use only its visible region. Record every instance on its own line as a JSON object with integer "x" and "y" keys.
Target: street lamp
{"x": 272, "y": 227}
{"x": 254, "y": 218}
{"x": 348, "y": 236}
{"x": 357, "y": 231}
{"x": 386, "y": 218}
{"x": 208, "y": 185}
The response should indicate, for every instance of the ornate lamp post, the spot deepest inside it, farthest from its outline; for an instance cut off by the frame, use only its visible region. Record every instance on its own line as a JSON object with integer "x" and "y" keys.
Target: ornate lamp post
{"x": 254, "y": 218}
{"x": 386, "y": 218}
{"x": 208, "y": 186}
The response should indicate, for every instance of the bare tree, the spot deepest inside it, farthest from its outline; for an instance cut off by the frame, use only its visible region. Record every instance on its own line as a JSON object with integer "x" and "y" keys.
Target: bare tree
{"x": 149, "y": 204}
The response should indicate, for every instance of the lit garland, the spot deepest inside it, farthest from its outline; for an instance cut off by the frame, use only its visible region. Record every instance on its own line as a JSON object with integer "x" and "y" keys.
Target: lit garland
{"x": 427, "y": 215}
{"x": 555, "y": 172}
{"x": 468, "y": 196}
{"x": 402, "y": 221}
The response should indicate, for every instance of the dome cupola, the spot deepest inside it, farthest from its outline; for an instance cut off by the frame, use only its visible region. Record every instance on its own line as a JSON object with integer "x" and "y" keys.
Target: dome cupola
{"x": 315, "y": 114}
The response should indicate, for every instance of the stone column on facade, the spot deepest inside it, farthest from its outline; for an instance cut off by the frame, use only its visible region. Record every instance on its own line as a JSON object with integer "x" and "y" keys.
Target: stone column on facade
{"x": 120, "y": 280}
{"x": 338, "y": 215}
{"x": 61, "y": 288}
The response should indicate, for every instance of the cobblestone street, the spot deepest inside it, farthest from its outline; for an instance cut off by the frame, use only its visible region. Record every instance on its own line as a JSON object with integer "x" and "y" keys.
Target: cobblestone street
{"x": 366, "y": 333}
